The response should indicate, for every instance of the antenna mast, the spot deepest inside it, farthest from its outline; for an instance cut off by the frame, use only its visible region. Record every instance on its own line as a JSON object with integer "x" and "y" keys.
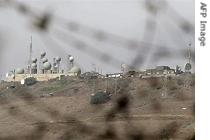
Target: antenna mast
{"x": 188, "y": 66}
{"x": 30, "y": 56}
{"x": 189, "y": 53}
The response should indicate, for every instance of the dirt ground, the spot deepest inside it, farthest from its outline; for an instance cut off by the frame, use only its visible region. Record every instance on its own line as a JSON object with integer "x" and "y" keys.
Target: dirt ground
{"x": 60, "y": 110}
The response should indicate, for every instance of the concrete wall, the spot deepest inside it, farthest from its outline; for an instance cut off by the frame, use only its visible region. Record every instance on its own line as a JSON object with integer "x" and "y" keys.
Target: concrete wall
{"x": 39, "y": 77}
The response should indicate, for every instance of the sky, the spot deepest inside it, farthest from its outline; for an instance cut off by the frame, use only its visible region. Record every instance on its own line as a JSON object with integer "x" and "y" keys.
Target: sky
{"x": 124, "y": 18}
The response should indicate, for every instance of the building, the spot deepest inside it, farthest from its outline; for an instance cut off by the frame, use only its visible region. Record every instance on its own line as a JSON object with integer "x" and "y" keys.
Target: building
{"x": 159, "y": 71}
{"x": 114, "y": 75}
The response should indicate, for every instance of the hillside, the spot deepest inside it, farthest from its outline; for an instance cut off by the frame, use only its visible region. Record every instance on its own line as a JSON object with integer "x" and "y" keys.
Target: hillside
{"x": 154, "y": 108}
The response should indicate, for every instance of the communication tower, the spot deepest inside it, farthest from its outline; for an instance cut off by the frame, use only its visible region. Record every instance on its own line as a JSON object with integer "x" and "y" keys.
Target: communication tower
{"x": 70, "y": 61}
{"x": 30, "y": 57}
{"x": 188, "y": 66}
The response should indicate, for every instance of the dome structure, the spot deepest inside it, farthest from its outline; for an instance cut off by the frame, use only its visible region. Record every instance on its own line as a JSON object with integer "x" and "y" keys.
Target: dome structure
{"x": 44, "y": 60}
{"x": 58, "y": 59}
{"x": 47, "y": 65}
{"x": 34, "y": 60}
{"x": 188, "y": 67}
{"x": 43, "y": 54}
{"x": 124, "y": 68}
{"x": 19, "y": 71}
{"x": 33, "y": 65}
{"x": 75, "y": 71}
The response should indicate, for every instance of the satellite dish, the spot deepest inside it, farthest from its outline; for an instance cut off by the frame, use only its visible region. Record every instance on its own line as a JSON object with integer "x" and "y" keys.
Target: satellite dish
{"x": 71, "y": 58}
{"x": 43, "y": 54}
{"x": 188, "y": 67}
{"x": 58, "y": 59}
{"x": 34, "y": 60}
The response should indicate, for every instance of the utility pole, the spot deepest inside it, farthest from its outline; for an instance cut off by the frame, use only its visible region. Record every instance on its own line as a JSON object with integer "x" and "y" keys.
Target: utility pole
{"x": 187, "y": 78}
{"x": 94, "y": 67}
{"x": 1, "y": 79}
{"x": 107, "y": 84}
{"x": 188, "y": 66}
{"x": 115, "y": 87}
{"x": 14, "y": 77}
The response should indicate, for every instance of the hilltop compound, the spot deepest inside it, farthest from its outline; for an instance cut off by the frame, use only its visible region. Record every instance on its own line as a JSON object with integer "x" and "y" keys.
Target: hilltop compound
{"x": 43, "y": 70}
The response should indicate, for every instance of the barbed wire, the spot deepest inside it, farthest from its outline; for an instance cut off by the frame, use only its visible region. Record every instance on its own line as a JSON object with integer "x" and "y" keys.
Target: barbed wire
{"x": 64, "y": 35}
{"x": 44, "y": 21}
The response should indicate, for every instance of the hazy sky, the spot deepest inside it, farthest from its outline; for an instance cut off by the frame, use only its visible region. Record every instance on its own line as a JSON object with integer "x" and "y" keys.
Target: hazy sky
{"x": 126, "y": 18}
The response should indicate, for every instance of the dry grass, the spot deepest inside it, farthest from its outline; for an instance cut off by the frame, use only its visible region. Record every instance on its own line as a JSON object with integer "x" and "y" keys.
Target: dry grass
{"x": 136, "y": 112}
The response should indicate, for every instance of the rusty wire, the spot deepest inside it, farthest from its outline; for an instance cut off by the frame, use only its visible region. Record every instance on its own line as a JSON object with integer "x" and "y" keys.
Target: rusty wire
{"x": 123, "y": 101}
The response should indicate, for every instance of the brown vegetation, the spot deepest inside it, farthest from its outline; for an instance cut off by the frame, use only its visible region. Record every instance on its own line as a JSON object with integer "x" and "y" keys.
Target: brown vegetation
{"x": 137, "y": 111}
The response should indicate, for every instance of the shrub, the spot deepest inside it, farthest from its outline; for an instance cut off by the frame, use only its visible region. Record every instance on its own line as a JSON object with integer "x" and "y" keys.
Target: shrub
{"x": 172, "y": 85}
{"x": 154, "y": 83}
{"x": 100, "y": 98}
{"x": 180, "y": 82}
{"x": 30, "y": 81}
